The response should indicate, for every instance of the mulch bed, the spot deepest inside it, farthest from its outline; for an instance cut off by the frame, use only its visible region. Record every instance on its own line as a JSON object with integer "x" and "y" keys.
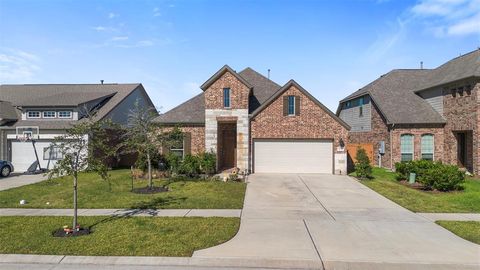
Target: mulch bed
{"x": 80, "y": 232}
{"x": 148, "y": 190}
{"x": 415, "y": 185}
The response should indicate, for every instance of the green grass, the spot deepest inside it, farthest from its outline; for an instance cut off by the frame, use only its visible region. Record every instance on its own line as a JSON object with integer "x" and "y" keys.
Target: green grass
{"x": 466, "y": 201}
{"x": 95, "y": 193}
{"x": 468, "y": 230}
{"x": 132, "y": 236}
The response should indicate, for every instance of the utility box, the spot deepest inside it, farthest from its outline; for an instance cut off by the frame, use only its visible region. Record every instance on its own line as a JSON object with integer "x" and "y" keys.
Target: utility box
{"x": 381, "y": 148}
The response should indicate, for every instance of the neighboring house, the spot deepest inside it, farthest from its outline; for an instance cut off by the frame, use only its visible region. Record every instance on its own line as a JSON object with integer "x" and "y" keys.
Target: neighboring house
{"x": 256, "y": 125}
{"x": 420, "y": 114}
{"x": 47, "y": 110}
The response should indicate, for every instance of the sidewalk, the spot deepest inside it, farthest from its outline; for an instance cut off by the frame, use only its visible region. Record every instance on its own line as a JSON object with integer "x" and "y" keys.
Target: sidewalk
{"x": 123, "y": 212}
{"x": 451, "y": 216}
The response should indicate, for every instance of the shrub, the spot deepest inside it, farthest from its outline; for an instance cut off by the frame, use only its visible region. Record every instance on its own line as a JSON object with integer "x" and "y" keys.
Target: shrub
{"x": 363, "y": 168}
{"x": 142, "y": 162}
{"x": 419, "y": 167}
{"x": 208, "y": 163}
{"x": 190, "y": 166}
{"x": 443, "y": 178}
{"x": 173, "y": 162}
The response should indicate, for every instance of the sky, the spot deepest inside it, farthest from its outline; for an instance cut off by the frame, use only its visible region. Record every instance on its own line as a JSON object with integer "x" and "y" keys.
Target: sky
{"x": 331, "y": 48}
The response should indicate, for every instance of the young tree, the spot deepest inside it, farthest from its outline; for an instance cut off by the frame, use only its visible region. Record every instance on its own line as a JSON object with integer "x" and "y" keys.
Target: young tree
{"x": 85, "y": 146}
{"x": 362, "y": 166}
{"x": 139, "y": 136}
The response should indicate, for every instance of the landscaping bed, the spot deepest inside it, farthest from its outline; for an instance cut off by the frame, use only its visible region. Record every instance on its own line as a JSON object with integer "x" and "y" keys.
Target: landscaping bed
{"x": 97, "y": 193}
{"x": 417, "y": 200}
{"x": 127, "y": 236}
{"x": 468, "y": 230}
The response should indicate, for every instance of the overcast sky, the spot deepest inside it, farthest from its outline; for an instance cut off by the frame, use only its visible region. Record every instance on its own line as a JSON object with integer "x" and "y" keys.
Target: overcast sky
{"x": 331, "y": 48}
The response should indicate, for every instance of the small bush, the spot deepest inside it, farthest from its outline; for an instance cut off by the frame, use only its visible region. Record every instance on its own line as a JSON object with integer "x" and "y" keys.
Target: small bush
{"x": 208, "y": 163}
{"x": 173, "y": 162}
{"x": 142, "y": 162}
{"x": 190, "y": 166}
{"x": 443, "y": 178}
{"x": 363, "y": 168}
{"x": 419, "y": 167}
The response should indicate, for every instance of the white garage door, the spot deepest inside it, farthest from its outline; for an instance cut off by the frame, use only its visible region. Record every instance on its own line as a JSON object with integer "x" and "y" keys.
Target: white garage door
{"x": 23, "y": 155}
{"x": 278, "y": 156}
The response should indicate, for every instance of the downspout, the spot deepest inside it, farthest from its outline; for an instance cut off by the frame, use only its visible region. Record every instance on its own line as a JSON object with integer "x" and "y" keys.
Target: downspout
{"x": 391, "y": 147}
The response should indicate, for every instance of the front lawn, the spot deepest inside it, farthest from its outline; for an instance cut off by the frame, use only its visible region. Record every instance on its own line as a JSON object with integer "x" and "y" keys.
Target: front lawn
{"x": 466, "y": 201}
{"x": 468, "y": 230}
{"x": 131, "y": 236}
{"x": 94, "y": 193}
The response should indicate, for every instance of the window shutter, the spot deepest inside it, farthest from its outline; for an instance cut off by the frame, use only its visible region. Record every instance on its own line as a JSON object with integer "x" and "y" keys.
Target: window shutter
{"x": 285, "y": 105}
{"x": 297, "y": 105}
{"x": 187, "y": 143}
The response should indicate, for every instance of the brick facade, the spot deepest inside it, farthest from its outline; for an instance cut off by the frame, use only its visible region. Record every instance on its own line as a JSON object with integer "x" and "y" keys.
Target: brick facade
{"x": 417, "y": 132}
{"x": 462, "y": 112}
{"x": 379, "y": 132}
{"x": 197, "y": 137}
{"x": 239, "y": 93}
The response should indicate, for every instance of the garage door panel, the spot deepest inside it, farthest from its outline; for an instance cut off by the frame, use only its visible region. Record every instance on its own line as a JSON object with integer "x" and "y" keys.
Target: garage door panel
{"x": 23, "y": 155}
{"x": 279, "y": 156}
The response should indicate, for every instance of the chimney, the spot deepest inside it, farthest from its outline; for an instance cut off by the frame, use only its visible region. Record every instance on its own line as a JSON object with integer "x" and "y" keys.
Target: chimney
{"x": 101, "y": 81}
{"x": 421, "y": 64}
{"x": 268, "y": 74}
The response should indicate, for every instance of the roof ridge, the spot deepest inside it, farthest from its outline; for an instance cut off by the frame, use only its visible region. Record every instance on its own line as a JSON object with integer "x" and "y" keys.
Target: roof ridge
{"x": 458, "y": 57}
{"x": 182, "y": 103}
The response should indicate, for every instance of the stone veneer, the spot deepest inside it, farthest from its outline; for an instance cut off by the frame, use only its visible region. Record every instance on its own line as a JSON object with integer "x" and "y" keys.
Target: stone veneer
{"x": 239, "y": 95}
{"x": 379, "y": 132}
{"x": 462, "y": 113}
{"x": 313, "y": 122}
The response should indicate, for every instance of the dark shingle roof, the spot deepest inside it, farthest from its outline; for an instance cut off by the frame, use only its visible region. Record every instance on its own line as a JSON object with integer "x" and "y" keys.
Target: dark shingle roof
{"x": 193, "y": 110}
{"x": 66, "y": 95}
{"x": 394, "y": 92}
{"x": 7, "y": 111}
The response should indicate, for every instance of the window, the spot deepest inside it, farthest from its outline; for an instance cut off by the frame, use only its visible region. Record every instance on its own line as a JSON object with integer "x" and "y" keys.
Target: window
{"x": 64, "y": 114}
{"x": 226, "y": 97}
{"x": 49, "y": 114}
{"x": 406, "y": 147}
{"x": 360, "y": 101}
{"x": 348, "y": 104}
{"x": 178, "y": 148}
{"x": 33, "y": 114}
{"x": 52, "y": 153}
{"x": 360, "y": 111}
{"x": 291, "y": 105}
{"x": 427, "y": 146}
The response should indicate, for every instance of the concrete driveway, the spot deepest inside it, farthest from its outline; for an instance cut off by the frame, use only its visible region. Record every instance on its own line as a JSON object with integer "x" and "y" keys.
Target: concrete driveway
{"x": 337, "y": 223}
{"x": 18, "y": 180}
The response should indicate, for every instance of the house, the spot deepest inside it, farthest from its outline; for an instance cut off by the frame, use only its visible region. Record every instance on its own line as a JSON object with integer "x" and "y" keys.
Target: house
{"x": 412, "y": 114}
{"x": 254, "y": 124}
{"x": 46, "y": 111}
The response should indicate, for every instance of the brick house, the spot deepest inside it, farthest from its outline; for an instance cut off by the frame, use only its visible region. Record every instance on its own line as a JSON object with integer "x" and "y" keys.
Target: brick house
{"x": 256, "y": 125}
{"x": 420, "y": 114}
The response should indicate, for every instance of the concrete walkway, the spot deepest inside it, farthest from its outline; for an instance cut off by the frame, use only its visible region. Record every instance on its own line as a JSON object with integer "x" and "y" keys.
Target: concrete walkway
{"x": 18, "y": 180}
{"x": 123, "y": 212}
{"x": 338, "y": 223}
{"x": 451, "y": 216}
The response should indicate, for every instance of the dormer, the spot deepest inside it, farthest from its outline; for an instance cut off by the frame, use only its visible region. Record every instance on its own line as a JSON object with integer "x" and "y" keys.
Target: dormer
{"x": 226, "y": 90}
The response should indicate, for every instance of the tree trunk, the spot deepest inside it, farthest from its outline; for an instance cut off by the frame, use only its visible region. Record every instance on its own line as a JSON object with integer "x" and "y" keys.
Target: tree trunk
{"x": 75, "y": 205}
{"x": 150, "y": 183}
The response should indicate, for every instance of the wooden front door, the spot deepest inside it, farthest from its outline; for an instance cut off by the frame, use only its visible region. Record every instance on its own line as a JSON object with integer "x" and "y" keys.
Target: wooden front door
{"x": 229, "y": 147}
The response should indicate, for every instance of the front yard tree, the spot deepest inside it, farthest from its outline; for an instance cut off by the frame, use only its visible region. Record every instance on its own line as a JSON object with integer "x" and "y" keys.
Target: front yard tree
{"x": 85, "y": 146}
{"x": 140, "y": 135}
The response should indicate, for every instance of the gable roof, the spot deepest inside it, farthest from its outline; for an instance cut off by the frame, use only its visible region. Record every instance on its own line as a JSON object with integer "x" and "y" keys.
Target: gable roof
{"x": 219, "y": 73}
{"x": 192, "y": 111}
{"x": 395, "y": 92}
{"x": 67, "y": 95}
{"x": 287, "y": 86}
{"x": 7, "y": 111}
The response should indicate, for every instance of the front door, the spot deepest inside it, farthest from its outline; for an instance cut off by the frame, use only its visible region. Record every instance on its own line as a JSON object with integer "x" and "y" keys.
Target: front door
{"x": 229, "y": 141}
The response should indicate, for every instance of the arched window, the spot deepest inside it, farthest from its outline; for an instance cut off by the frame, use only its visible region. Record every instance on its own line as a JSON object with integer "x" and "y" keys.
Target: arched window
{"x": 406, "y": 147}
{"x": 427, "y": 146}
